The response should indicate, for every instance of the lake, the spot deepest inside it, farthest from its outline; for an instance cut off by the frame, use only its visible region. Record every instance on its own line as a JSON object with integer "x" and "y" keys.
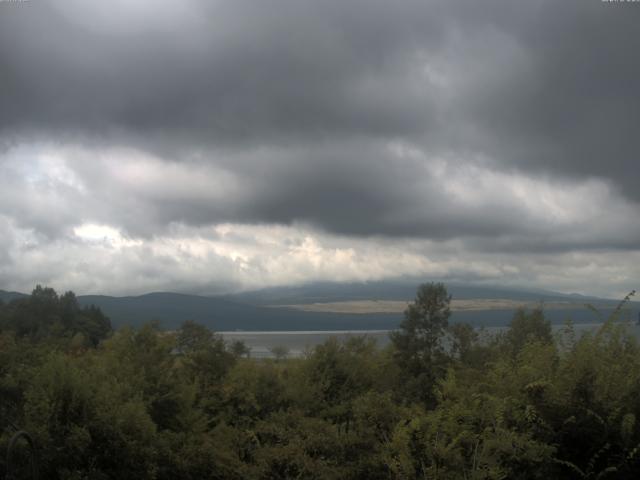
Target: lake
{"x": 297, "y": 342}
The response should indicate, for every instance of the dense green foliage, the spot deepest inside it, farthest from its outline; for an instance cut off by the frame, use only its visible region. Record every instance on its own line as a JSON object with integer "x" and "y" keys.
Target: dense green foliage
{"x": 46, "y": 315}
{"x": 442, "y": 401}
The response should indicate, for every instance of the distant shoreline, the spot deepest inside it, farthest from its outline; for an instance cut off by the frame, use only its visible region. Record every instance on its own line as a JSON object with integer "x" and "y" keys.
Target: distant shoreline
{"x": 302, "y": 332}
{"x": 367, "y": 307}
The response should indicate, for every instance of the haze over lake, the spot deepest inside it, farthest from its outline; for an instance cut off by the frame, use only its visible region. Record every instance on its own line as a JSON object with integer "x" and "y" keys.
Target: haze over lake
{"x": 297, "y": 343}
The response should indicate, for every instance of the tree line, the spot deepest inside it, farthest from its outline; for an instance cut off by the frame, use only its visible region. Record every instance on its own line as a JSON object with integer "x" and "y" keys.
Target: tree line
{"x": 441, "y": 401}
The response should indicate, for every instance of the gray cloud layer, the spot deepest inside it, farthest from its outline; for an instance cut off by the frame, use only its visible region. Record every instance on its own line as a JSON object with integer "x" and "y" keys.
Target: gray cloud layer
{"x": 508, "y": 126}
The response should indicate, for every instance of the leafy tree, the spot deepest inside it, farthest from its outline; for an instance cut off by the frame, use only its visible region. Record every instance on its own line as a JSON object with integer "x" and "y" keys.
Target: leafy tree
{"x": 337, "y": 372}
{"x": 252, "y": 392}
{"x": 94, "y": 324}
{"x": 239, "y": 349}
{"x": 280, "y": 352}
{"x": 528, "y": 327}
{"x": 463, "y": 342}
{"x": 204, "y": 353}
{"x": 86, "y": 424}
{"x": 44, "y": 314}
{"x": 419, "y": 347}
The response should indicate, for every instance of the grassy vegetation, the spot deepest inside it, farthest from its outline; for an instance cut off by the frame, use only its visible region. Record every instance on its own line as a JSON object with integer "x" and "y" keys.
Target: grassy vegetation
{"x": 141, "y": 403}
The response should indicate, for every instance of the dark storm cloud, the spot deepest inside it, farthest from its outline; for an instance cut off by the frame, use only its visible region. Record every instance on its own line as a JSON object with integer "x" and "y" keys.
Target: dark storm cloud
{"x": 298, "y": 100}
{"x": 574, "y": 107}
{"x": 236, "y": 71}
{"x": 349, "y": 188}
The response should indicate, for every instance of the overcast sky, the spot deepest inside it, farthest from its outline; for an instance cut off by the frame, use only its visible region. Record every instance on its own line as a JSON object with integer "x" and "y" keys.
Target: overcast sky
{"x": 210, "y": 146}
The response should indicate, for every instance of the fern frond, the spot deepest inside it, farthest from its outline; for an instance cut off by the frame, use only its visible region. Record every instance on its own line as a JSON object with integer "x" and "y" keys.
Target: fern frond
{"x": 570, "y": 466}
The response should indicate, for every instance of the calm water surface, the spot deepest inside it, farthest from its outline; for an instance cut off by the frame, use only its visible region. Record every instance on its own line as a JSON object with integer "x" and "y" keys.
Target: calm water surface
{"x": 298, "y": 342}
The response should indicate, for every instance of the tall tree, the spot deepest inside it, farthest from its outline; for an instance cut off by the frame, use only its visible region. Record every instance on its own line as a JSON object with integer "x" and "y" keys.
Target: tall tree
{"x": 526, "y": 327}
{"x": 418, "y": 343}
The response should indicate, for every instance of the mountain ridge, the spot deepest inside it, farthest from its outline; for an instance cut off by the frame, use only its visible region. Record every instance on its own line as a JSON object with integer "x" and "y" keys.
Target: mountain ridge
{"x": 275, "y": 309}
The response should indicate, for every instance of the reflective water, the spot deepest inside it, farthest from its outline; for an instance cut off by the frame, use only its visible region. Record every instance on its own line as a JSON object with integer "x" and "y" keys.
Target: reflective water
{"x": 297, "y": 342}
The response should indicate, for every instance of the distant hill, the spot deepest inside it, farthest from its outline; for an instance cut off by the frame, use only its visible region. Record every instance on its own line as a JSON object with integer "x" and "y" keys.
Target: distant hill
{"x": 559, "y": 306}
{"x": 222, "y": 314}
{"x": 394, "y": 290}
{"x": 263, "y": 309}
{"x": 6, "y": 297}
{"x": 255, "y": 310}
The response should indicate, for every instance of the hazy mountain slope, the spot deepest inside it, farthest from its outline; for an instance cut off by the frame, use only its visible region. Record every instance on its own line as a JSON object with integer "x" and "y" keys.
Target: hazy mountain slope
{"x": 171, "y": 309}
{"x": 252, "y": 310}
{"x": 6, "y": 297}
{"x": 393, "y": 290}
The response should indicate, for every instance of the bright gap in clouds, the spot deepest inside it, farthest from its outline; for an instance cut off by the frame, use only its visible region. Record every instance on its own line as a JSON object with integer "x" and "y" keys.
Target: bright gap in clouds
{"x": 91, "y": 231}
{"x": 247, "y": 256}
{"x": 132, "y": 237}
{"x": 103, "y": 234}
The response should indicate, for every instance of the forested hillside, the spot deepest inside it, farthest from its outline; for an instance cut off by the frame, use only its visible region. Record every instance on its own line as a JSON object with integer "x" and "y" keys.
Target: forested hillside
{"x": 442, "y": 401}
